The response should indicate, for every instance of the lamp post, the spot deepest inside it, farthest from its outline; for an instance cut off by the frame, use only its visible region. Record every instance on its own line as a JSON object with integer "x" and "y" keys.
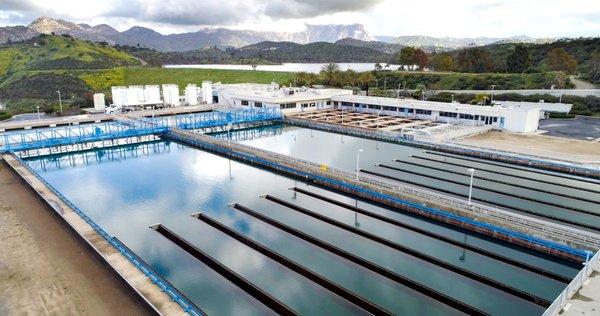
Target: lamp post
{"x": 38, "y": 112}
{"x": 59, "y": 101}
{"x": 358, "y": 162}
{"x": 471, "y": 172}
{"x": 492, "y": 100}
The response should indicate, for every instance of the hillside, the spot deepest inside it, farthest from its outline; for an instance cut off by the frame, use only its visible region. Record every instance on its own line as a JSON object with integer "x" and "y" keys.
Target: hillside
{"x": 581, "y": 49}
{"x": 262, "y": 53}
{"x": 320, "y": 52}
{"x": 33, "y": 70}
{"x": 388, "y": 48}
{"x": 59, "y": 52}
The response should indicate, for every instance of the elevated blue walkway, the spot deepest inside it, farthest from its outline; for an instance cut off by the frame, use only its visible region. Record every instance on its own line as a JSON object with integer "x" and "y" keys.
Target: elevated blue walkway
{"x": 74, "y": 134}
{"x": 232, "y": 116}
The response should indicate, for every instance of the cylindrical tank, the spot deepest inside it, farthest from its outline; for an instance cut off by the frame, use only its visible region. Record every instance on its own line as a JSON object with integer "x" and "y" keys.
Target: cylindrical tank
{"x": 99, "y": 103}
{"x": 119, "y": 95}
{"x": 191, "y": 94}
{"x": 170, "y": 94}
{"x": 152, "y": 94}
{"x": 135, "y": 95}
{"x": 207, "y": 93}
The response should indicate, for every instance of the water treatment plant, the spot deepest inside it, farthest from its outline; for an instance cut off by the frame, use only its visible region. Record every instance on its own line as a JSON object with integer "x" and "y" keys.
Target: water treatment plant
{"x": 261, "y": 200}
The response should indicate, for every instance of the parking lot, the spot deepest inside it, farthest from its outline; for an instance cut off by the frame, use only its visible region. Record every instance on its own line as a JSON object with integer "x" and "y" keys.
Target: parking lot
{"x": 581, "y": 127}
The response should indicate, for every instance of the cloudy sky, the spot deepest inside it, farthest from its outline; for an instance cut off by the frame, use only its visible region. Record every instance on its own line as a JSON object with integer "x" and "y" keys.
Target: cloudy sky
{"x": 457, "y": 18}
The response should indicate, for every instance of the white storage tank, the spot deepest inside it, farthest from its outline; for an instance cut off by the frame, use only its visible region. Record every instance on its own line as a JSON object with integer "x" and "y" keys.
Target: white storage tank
{"x": 170, "y": 94}
{"x": 191, "y": 94}
{"x": 99, "y": 103}
{"x": 207, "y": 93}
{"x": 152, "y": 94}
{"x": 135, "y": 95}
{"x": 119, "y": 95}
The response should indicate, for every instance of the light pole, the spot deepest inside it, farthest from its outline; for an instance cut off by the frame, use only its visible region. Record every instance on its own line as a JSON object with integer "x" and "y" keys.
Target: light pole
{"x": 492, "y": 100}
{"x": 358, "y": 162}
{"x": 60, "y": 101}
{"x": 471, "y": 172}
{"x": 38, "y": 111}
{"x": 453, "y": 98}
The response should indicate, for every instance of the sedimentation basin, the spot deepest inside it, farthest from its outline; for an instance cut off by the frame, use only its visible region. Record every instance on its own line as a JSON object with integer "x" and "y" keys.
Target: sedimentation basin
{"x": 127, "y": 189}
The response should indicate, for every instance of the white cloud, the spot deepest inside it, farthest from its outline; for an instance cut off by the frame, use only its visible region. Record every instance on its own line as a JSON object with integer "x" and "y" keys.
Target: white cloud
{"x": 459, "y": 18}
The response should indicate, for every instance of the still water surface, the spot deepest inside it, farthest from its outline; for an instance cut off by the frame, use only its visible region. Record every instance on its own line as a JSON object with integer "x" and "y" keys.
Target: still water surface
{"x": 168, "y": 182}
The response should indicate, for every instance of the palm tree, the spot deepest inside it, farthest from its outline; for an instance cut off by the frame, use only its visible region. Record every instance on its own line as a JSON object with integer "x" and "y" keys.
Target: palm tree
{"x": 329, "y": 71}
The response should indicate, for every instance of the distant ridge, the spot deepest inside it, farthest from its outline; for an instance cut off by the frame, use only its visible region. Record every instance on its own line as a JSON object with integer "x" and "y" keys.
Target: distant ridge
{"x": 223, "y": 37}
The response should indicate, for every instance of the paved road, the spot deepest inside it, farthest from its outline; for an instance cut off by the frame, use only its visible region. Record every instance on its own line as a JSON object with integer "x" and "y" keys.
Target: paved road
{"x": 581, "y": 127}
{"x": 554, "y": 92}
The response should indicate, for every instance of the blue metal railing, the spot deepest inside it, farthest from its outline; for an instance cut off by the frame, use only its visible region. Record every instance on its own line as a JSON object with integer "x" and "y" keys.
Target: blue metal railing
{"x": 74, "y": 134}
{"x": 424, "y": 209}
{"x": 521, "y": 159}
{"x": 140, "y": 264}
{"x": 228, "y": 116}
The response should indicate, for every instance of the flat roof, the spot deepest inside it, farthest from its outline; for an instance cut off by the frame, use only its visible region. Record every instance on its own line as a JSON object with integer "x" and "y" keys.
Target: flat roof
{"x": 427, "y": 105}
{"x": 265, "y": 93}
{"x": 544, "y": 106}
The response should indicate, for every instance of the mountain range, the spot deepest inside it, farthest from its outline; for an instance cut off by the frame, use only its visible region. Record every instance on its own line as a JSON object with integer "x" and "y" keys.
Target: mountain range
{"x": 223, "y": 37}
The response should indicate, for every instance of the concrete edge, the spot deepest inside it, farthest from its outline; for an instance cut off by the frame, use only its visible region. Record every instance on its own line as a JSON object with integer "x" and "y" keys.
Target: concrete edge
{"x": 152, "y": 295}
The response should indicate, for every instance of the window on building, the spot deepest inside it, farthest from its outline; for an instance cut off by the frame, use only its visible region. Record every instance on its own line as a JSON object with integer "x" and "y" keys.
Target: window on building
{"x": 312, "y": 105}
{"x": 328, "y": 102}
{"x": 244, "y": 102}
{"x": 304, "y": 105}
{"x": 258, "y": 104}
{"x": 287, "y": 105}
{"x": 411, "y": 110}
{"x": 335, "y": 103}
{"x": 495, "y": 119}
{"x": 373, "y": 106}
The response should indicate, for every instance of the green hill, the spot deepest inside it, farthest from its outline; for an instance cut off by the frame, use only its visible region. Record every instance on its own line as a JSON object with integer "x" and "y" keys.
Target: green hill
{"x": 48, "y": 52}
{"x": 33, "y": 70}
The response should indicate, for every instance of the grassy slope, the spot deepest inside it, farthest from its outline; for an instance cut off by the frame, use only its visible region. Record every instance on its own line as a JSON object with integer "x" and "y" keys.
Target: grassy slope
{"x": 57, "y": 52}
{"x": 181, "y": 77}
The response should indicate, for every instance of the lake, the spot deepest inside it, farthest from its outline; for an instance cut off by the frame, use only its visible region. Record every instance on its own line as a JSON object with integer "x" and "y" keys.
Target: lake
{"x": 288, "y": 67}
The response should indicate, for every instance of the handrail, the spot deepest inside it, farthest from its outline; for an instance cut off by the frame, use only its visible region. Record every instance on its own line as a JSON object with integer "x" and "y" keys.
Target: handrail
{"x": 328, "y": 175}
{"x": 522, "y": 159}
{"x": 573, "y": 287}
{"x": 146, "y": 269}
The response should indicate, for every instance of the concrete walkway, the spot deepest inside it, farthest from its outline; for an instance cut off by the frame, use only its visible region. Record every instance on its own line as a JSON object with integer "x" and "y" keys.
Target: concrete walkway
{"x": 587, "y": 300}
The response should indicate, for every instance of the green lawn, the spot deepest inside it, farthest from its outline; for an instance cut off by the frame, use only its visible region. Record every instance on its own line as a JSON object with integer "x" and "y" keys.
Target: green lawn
{"x": 181, "y": 77}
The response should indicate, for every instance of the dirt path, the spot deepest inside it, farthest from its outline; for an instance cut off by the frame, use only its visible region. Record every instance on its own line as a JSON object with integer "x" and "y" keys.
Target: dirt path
{"x": 580, "y": 84}
{"x": 45, "y": 269}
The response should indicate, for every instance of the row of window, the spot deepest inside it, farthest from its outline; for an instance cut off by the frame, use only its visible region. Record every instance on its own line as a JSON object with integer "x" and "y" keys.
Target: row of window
{"x": 287, "y": 105}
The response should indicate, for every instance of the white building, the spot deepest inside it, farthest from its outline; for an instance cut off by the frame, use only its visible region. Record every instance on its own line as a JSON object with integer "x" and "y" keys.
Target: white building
{"x": 289, "y": 100}
{"x": 514, "y": 119}
{"x": 544, "y": 107}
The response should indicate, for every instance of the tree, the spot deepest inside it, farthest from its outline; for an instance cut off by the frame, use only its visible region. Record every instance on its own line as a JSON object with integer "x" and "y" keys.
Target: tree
{"x": 304, "y": 78}
{"x": 476, "y": 60}
{"x": 420, "y": 58}
{"x": 329, "y": 72}
{"x": 407, "y": 56}
{"x": 365, "y": 78}
{"x": 594, "y": 72}
{"x": 442, "y": 62}
{"x": 559, "y": 60}
{"x": 519, "y": 60}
